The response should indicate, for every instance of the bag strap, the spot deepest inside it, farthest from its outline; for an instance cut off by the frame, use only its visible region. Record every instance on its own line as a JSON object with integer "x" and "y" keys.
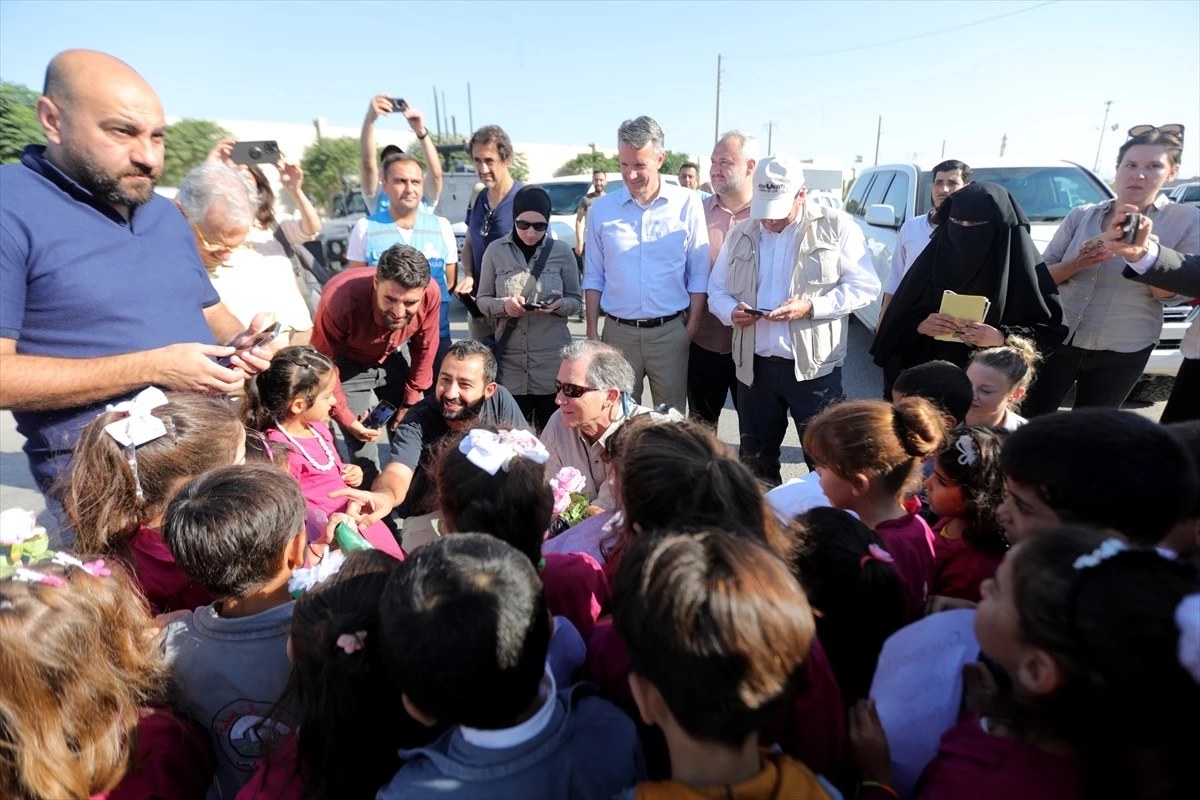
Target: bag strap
{"x": 510, "y": 326}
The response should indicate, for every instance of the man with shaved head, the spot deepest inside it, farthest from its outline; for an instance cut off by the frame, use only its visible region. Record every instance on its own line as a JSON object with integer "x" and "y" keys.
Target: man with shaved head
{"x": 102, "y": 292}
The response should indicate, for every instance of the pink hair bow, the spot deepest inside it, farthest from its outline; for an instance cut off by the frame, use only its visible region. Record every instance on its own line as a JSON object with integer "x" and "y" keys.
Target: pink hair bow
{"x": 351, "y": 642}
{"x": 875, "y": 553}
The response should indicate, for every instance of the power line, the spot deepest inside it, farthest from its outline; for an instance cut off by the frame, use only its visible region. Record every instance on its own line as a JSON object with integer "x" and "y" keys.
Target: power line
{"x": 913, "y": 37}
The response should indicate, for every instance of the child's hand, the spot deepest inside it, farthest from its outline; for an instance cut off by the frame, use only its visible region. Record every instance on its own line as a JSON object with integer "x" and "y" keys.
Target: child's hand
{"x": 868, "y": 743}
{"x": 980, "y": 693}
{"x": 352, "y": 474}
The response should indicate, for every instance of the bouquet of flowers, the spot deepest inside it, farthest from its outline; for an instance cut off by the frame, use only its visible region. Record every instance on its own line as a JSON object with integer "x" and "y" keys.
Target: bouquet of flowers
{"x": 22, "y": 541}
{"x": 570, "y": 500}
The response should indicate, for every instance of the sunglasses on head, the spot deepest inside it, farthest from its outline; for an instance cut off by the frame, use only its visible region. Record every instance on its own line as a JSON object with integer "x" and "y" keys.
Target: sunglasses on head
{"x": 524, "y": 225}
{"x": 572, "y": 390}
{"x": 1170, "y": 130}
{"x": 486, "y": 228}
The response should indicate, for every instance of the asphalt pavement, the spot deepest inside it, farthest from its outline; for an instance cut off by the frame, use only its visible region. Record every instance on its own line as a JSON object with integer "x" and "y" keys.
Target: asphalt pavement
{"x": 861, "y": 379}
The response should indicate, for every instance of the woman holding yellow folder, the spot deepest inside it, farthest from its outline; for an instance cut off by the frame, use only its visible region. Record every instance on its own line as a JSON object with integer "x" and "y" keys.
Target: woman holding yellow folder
{"x": 981, "y": 264}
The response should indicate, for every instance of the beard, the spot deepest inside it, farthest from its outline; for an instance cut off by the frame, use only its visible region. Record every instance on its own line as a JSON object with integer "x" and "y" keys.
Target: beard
{"x": 461, "y": 412}
{"x": 733, "y": 184}
{"x": 107, "y": 186}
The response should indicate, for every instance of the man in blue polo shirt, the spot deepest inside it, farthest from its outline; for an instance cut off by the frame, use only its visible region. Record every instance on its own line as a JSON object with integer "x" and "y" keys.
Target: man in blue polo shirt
{"x": 102, "y": 292}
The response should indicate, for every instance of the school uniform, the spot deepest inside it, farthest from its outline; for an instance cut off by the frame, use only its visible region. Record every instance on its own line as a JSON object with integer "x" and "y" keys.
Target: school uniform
{"x": 161, "y": 580}
{"x": 958, "y": 568}
{"x": 576, "y": 588}
{"x": 172, "y": 759}
{"x": 909, "y": 540}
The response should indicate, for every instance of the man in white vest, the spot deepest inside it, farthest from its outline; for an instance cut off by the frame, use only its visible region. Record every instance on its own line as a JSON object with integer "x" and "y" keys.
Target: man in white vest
{"x": 786, "y": 280}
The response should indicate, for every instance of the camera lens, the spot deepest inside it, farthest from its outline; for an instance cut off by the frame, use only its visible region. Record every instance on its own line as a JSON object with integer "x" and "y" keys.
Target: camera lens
{"x": 270, "y": 147}
{"x": 255, "y": 152}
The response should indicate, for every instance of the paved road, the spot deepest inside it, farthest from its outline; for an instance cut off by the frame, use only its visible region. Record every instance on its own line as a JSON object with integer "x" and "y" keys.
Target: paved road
{"x": 860, "y": 377}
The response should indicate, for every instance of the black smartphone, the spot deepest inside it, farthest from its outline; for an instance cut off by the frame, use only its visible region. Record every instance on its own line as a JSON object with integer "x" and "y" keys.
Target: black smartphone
{"x": 380, "y": 415}
{"x": 757, "y": 312}
{"x": 398, "y": 104}
{"x": 264, "y": 152}
{"x": 262, "y": 338}
{"x": 1130, "y": 228}
{"x": 534, "y": 306}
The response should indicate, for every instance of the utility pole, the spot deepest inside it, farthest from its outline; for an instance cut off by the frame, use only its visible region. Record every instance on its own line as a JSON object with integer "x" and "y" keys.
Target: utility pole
{"x": 943, "y": 149}
{"x": 470, "y": 111}
{"x": 717, "y": 126}
{"x": 454, "y": 126}
{"x": 770, "y": 126}
{"x": 593, "y": 146}
{"x": 1003, "y": 144}
{"x": 445, "y": 112}
{"x": 436, "y": 113}
{"x": 1107, "y": 105}
{"x": 878, "y": 133}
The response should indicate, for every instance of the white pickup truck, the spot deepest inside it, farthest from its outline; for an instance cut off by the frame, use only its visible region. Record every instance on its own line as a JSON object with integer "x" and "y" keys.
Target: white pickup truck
{"x": 883, "y": 197}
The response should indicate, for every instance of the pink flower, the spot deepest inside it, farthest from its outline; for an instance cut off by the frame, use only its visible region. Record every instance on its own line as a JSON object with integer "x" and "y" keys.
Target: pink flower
{"x": 570, "y": 480}
{"x": 562, "y": 499}
{"x": 18, "y": 525}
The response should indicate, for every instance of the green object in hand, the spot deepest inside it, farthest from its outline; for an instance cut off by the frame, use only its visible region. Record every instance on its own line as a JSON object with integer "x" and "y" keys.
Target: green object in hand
{"x": 349, "y": 539}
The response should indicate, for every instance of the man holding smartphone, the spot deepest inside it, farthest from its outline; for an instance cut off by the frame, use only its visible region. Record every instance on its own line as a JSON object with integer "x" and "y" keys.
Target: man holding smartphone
{"x": 807, "y": 267}
{"x": 373, "y": 193}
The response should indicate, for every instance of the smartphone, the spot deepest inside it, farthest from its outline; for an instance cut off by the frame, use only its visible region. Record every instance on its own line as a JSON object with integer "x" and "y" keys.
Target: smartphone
{"x": 757, "y": 312}
{"x": 380, "y": 415}
{"x": 1130, "y": 228}
{"x": 534, "y": 306}
{"x": 263, "y": 338}
{"x": 248, "y": 153}
{"x": 398, "y": 104}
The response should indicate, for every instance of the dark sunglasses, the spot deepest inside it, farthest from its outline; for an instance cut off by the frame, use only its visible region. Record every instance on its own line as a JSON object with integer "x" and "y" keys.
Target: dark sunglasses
{"x": 486, "y": 228}
{"x": 1170, "y": 130}
{"x": 571, "y": 390}
{"x": 524, "y": 225}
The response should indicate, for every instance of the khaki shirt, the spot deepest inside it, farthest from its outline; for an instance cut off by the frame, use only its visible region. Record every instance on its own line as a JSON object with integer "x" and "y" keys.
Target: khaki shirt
{"x": 529, "y": 362}
{"x": 570, "y": 448}
{"x": 711, "y": 334}
{"x": 1102, "y": 309}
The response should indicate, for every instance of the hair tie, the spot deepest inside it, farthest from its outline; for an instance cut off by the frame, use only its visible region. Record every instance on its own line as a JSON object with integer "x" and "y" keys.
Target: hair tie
{"x": 875, "y": 553}
{"x": 351, "y": 642}
{"x": 94, "y": 568}
{"x": 491, "y": 451}
{"x": 26, "y": 575}
{"x": 1187, "y": 619}
{"x": 966, "y": 450}
{"x": 138, "y": 427}
{"x": 1107, "y": 549}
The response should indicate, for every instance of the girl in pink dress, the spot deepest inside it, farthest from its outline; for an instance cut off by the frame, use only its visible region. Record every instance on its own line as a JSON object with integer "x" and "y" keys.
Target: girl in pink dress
{"x": 289, "y": 403}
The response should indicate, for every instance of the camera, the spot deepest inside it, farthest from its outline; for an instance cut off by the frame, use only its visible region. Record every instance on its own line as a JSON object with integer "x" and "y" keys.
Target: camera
{"x": 260, "y": 152}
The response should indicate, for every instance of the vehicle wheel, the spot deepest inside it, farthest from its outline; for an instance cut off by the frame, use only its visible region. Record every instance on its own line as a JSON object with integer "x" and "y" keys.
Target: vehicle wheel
{"x": 1152, "y": 389}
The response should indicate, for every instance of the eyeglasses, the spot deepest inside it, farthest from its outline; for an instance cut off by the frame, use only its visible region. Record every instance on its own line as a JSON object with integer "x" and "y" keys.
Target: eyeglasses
{"x": 524, "y": 225}
{"x": 486, "y": 228}
{"x": 572, "y": 390}
{"x": 212, "y": 248}
{"x": 1171, "y": 130}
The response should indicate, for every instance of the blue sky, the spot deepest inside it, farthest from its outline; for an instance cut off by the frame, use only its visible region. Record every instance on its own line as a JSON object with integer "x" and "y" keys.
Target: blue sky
{"x": 570, "y": 72}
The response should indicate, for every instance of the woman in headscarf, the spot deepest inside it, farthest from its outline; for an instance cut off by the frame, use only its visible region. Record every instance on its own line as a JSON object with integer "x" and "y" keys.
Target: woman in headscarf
{"x": 539, "y": 307}
{"x": 981, "y": 246}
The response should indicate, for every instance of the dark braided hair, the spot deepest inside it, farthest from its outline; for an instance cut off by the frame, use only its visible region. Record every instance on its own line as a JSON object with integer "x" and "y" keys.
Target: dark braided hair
{"x": 294, "y": 372}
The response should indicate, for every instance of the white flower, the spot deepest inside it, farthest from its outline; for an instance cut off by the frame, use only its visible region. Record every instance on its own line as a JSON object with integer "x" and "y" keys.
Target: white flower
{"x": 18, "y": 525}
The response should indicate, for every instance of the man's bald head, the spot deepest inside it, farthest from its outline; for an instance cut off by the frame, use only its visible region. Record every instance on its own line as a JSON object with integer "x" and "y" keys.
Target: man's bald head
{"x": 104, "y": 126}
{"x": 64, "y": 71}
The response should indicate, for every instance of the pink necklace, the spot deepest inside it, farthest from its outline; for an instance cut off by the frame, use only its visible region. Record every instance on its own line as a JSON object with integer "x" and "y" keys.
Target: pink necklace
{"x": 304, "y": 452}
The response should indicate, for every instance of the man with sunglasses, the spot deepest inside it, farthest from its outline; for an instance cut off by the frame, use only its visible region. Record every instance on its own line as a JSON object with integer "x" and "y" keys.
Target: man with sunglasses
{"x": 220, "y": 205}
{"x": 594, "y": 388}
{"x": 490, "y": 216}
{"x": 101, "y": 290}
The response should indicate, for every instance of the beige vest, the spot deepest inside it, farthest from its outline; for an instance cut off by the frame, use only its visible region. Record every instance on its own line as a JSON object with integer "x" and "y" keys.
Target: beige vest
{"x": 818, "y": 345}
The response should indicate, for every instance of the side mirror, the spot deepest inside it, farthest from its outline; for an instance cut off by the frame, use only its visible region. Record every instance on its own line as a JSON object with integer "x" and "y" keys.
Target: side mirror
{"x": 882, "y": 215}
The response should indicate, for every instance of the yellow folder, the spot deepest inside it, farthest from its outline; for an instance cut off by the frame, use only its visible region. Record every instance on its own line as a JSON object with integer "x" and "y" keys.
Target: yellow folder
{"x": 964, "y": 308}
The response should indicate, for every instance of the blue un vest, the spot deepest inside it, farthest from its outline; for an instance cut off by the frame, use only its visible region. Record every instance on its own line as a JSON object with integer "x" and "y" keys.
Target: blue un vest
{"x": 426, "y": 237}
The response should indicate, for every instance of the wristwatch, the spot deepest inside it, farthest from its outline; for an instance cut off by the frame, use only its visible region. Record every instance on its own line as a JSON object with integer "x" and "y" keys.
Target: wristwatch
{"x": 423, "y": 134}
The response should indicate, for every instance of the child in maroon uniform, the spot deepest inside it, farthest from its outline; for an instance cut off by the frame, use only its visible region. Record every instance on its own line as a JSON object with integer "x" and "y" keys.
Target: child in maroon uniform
{"x": 868, "y": 454}
{"x": 1100, "y": 642}
{"x": 128, "y": 465}
{"x": 965, "y": 489}
{"x": 83, "y": 682}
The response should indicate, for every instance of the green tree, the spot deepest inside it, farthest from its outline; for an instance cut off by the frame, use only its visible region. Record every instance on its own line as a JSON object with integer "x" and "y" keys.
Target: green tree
{"x": 584, "y": 163}
{"x": 520, "y": 167}
{"x": 18, "y": 121}
{"x": 187, "y": 143}
{"x": 673, "y": 161}
{"x": 325, "y": 163}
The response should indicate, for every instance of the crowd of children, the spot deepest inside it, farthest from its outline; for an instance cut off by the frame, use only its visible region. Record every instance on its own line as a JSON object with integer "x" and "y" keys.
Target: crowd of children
{"x": 222, "y": 629}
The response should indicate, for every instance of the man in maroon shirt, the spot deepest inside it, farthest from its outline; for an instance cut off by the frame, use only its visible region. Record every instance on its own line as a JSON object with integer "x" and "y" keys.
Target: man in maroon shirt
{"x": 364, "y": 318}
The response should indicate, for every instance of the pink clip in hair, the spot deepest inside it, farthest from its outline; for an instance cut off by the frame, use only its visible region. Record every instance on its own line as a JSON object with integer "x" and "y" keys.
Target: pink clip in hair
{"x": 351, "y": 642}
{"x": 97, "y": 569}
{"x": 26, "y": 575}
{"x": 875, "y": 553}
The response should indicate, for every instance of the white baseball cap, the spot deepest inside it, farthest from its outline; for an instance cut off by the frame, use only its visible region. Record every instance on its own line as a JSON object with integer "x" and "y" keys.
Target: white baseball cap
{"x": 777, "y": 180}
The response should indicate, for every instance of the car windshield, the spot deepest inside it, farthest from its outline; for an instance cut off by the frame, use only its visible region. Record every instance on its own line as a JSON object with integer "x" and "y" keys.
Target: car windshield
{"x": 565, "y": 196}
{"x": 357, "y": 204}
{"x": 1046, "y": 194}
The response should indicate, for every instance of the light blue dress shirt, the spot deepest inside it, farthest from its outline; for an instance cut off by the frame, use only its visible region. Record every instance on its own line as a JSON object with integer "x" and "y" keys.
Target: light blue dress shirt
{"x": 646, "y": 260}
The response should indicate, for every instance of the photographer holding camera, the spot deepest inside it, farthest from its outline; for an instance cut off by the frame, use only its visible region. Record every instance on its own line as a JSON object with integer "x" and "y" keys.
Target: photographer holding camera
{"x": 381, "y": 106}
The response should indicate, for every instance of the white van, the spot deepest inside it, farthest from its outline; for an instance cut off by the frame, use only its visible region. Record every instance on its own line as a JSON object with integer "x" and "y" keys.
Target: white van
{"x": 885, "y": 196}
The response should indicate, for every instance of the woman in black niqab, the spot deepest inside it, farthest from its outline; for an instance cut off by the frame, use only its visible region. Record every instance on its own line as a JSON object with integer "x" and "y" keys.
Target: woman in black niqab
{"x": 981, "y": 246}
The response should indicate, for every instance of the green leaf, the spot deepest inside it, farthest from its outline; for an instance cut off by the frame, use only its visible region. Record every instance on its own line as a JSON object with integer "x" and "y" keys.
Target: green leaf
{"x": 19, "y": 124}
{"x": 187, "y": 144}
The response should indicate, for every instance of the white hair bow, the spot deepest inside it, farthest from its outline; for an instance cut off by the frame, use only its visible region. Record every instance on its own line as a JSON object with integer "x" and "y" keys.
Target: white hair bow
{"x": 139, "y": 425}
{"x": 966, "y": 450}
{"x": 492, "y": 452}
